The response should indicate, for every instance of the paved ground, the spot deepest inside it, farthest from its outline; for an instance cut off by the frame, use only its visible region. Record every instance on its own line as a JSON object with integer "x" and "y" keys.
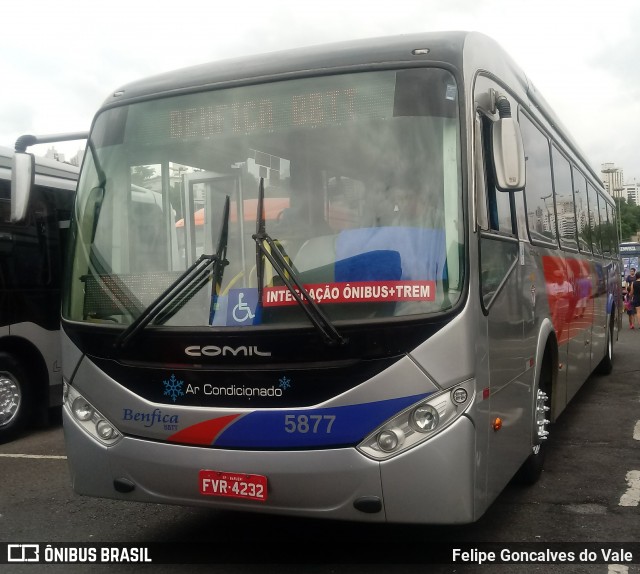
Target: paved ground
{"x": 579, "y": 499}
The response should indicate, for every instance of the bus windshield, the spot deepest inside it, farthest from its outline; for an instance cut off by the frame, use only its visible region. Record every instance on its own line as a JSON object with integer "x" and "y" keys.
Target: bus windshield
{"x": 362, "y": 198}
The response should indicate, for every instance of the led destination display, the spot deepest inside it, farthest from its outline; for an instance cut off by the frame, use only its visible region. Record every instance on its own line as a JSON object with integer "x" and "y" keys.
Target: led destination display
{"x": 310, "y": 103}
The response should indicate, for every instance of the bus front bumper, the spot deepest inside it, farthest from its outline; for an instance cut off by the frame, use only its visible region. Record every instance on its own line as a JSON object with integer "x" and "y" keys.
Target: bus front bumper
{"x": 431, "y": 483}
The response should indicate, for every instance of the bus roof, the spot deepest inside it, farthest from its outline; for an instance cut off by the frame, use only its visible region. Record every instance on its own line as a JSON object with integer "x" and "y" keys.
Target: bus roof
{"x": 449, "y": 48}
{"x": 442, "y": 47}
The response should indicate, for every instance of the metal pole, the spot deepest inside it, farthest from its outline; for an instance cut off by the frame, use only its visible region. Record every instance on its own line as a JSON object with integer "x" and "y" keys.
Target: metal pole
{"x": 619, "y": 191}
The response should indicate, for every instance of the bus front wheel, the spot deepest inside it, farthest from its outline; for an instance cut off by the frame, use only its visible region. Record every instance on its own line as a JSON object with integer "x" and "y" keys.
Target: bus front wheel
{"x": 15, "y": 397}
{"x": 530, "y": 471}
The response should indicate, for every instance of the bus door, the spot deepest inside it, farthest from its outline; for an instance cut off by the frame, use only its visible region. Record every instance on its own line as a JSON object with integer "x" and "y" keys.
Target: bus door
{"x": 204, "y": 197}
{"x": 29, "y": 264}
{"x": 503, "y": 369}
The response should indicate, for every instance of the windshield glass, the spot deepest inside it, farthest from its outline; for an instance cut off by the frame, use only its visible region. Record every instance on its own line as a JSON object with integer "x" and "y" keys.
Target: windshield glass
{"x": 362, "y": 196}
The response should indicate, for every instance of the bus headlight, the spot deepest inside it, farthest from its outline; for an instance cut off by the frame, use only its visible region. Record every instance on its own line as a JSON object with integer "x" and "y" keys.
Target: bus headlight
{"x": 81, "y": 409}
{"x": 425, "y": 418}
{"x": 89, "y": 418}
{"x": 418, "y": 423}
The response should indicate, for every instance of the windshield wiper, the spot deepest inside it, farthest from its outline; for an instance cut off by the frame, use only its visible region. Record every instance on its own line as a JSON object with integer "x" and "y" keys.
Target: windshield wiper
{"x": 277, "y": 258}
{"x": 221, "y": 255}
{"x": 196, "y": 274}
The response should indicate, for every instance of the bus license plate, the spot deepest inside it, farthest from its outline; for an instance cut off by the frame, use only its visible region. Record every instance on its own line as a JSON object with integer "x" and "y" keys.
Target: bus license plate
{"x": 233, "y": 485}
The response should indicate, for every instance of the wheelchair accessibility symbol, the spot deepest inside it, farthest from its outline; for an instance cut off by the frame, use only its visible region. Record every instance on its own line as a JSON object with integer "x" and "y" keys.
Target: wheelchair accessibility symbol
{"x": 242, "y": 309}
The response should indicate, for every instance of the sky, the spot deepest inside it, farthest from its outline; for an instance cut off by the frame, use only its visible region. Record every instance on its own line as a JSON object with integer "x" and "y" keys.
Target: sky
{"x": 61, "y": 59}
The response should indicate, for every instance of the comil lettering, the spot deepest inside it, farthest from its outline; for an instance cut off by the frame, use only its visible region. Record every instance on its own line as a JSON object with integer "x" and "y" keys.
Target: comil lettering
{"x": 215, "y": 351}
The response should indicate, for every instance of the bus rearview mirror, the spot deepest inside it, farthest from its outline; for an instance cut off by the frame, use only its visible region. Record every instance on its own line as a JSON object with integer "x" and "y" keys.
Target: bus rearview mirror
{"x": 22, "y": 177}
{"x": 508, "y": 155}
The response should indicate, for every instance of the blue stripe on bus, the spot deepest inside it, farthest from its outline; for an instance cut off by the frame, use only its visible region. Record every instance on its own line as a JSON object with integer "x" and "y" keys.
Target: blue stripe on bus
{"x": 325, "y": 427}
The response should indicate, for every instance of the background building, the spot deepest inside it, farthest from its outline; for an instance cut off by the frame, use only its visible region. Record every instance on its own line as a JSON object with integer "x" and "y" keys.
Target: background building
{"x": 632, "y": 192}
{"x": 53, "y": 153}
{"x": 613, "y": 180}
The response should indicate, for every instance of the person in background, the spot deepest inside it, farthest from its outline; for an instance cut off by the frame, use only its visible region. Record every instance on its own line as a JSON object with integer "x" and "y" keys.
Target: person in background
{"x": 631, "y": 277}
{"x": 635, "y": 296}
{"x": 629, "y": 308}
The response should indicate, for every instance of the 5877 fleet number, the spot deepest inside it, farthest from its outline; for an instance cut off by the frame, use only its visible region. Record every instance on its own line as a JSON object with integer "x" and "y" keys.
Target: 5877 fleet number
{"x": 309, "y": 423}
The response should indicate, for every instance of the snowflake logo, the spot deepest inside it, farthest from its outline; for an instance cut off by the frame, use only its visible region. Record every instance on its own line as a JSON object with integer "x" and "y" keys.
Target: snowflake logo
{"x": 173, "y": 388}
{"x": 285, "y": 383}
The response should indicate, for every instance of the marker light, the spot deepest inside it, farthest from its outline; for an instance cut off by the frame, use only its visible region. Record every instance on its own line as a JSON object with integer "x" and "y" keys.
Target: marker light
{"x": 83, "y": 412}
{"x": 418, "y": 423}
{"x": 105, "y": 430}
{"x": 459, "y": 396}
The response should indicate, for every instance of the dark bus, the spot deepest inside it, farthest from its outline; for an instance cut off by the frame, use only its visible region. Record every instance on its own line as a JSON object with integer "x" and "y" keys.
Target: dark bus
{"x": 30, "y": 273}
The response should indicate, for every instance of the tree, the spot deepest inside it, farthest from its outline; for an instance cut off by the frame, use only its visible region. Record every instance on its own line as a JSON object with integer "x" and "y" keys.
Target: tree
{"x": 629, "y": 219}
{"x": 140, "y": 173}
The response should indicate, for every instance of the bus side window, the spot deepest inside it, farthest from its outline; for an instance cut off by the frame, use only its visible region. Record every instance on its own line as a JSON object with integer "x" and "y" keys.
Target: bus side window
{"x": 5, "y": 201}
{"x": 613, "y": 231}
{"x": 585, "y": 231}
{"x": 30, "y": 249}
{"x": 604, "y": 227}
{"x": 538, "y": 193}
{"x": 568, "y": 199}
{"x": 594, "y": 219}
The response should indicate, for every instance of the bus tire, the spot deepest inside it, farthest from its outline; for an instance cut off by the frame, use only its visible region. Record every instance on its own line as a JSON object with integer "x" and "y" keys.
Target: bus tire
{"x": 531, "y": 469}
{"x": 15, "y": 397}
{"x": 605, "y": 366}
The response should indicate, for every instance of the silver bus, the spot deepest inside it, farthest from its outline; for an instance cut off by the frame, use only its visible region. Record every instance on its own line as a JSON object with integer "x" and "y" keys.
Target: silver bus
{"x": 376, "y": 273}
{"x": 30, "y": 275}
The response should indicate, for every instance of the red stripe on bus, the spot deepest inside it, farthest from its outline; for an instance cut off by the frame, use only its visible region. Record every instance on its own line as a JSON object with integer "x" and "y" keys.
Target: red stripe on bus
{"x": 570, "y": 287}
{"x": 203, "y": 433}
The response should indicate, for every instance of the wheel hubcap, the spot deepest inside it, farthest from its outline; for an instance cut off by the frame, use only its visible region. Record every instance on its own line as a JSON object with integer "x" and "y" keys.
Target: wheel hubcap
{"x": 9, "y": 399}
